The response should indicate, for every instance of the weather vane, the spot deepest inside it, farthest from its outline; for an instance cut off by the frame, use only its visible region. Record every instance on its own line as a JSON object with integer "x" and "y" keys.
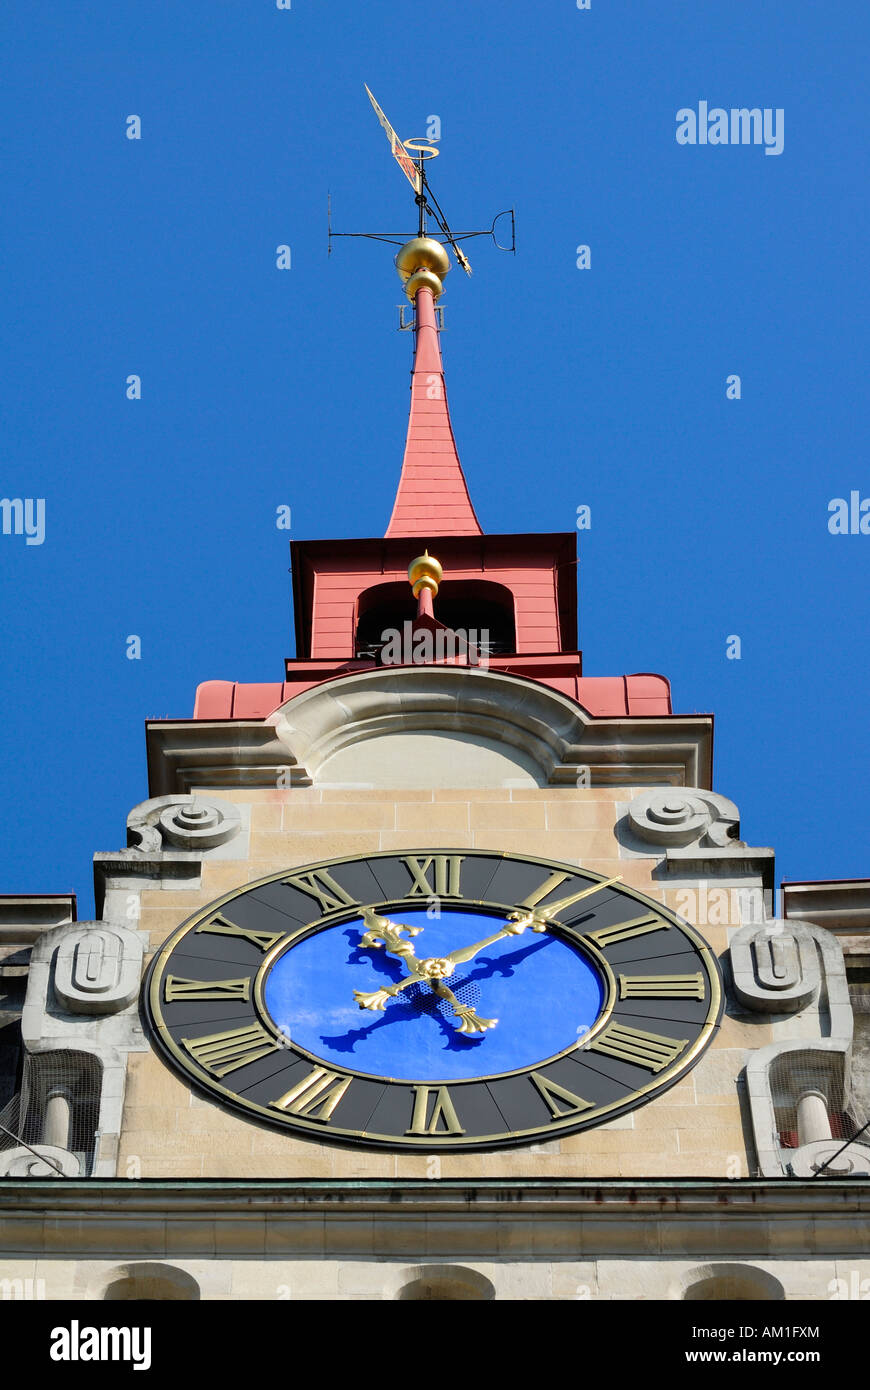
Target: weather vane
{"x": 412, "y": 156}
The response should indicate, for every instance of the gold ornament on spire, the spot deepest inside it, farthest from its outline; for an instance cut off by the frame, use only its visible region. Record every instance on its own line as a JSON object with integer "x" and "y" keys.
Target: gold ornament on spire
{"x": 422, "y": 261}
{"x": 424, "y": 573}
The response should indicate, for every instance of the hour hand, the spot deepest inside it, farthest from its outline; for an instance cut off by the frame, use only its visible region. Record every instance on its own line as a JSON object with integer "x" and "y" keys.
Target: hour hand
{"x": 469, "y": 1021}
{"x": 377, "y": 999}
{"x": 380, "y": 931}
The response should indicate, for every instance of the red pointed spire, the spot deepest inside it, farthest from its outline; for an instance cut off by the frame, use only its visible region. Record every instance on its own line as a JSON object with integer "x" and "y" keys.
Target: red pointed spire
{"x": 432, "y": 497}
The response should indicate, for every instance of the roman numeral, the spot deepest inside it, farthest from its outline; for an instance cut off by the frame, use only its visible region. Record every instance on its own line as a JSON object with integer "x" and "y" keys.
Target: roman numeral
{"x": 176, "y": 988}
{"x": 637, "y": 926}
{"x": 443, "y": 1111}
{"x": 320, "y": 884}
{"x": 552, "y": 910}
{"x": 219, "y": 926}
{"x": 661, "y": 986}
{"x": 445, "y": 879}
{"x": 641, "y": 1049}
{"x": 221, "y": 1053}
{"x": 546, "y": 887}
{"x": 552, "y": 1092}
{"x": 315, "y": 1096}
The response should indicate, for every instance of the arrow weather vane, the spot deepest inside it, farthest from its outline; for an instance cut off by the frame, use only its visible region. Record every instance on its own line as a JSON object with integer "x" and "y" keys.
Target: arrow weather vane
{"x": 415, "y": 172}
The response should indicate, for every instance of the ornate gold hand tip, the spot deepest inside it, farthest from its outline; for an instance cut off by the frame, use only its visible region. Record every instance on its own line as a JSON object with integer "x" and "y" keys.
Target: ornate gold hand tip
{"x": 474, "y": 1023}
{"x": 376, "y": 1000}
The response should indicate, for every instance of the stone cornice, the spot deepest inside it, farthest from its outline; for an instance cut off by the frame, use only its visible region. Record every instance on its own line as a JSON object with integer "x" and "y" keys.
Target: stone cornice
{"x": 327, "y": 1218}
{"x": 213, "y": 753}
{"x": 840, "y": 905}
{"x": 556, "y": 733}
{"x": 25, "y": 916}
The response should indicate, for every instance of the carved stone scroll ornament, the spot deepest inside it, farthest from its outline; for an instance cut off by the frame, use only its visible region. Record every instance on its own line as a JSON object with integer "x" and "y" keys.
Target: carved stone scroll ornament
{"x": 22, "y": 1162}
{"x": 775, "y": 967}
{"x": 97, "y": 968}
{"x": 782, "y": 966}
{"x": 673, "y": 816}
{"x": 182, "y": 822}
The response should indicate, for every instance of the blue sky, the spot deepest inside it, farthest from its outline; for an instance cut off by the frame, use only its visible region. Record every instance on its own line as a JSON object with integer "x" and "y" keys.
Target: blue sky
{"x": 260, "y": 387}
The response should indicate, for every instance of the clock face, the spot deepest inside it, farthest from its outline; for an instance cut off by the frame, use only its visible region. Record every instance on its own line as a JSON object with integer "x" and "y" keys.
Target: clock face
{"x": 434, "y": 1000}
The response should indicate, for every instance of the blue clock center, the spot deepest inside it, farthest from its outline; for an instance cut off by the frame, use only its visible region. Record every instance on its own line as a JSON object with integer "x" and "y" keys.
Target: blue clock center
{"x": 545, "y": 994}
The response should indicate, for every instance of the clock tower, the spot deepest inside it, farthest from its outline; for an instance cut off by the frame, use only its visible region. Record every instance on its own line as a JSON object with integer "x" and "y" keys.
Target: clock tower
{"x": 436, "y": 967}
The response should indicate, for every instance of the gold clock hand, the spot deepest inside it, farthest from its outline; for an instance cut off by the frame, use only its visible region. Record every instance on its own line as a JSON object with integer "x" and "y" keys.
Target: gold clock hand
{"x": 381, "y": 932}
{"x": 538, "y": 917}
{"x": 470, "y": 1022}
{"x": 378, "y": 998}
{"x": 464, "y": 953}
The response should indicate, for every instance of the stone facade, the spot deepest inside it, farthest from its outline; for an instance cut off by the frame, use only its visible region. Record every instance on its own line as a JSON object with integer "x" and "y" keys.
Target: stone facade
{"x": 696, "y": 1129}
{"x": 679, "y": 1207}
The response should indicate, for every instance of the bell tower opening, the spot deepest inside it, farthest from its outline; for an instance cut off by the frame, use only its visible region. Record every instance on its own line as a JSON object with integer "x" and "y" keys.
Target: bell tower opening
{"x": 464, "y": 605}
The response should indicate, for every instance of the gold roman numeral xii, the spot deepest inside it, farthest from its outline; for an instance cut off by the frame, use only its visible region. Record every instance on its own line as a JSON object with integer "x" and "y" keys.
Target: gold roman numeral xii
{"x": 445, "y": 869}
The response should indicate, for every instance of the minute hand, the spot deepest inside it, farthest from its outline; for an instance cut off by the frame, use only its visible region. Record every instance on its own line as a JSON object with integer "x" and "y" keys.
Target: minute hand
{"x": 538, "y": 917}
{"x": 468, "y": 952}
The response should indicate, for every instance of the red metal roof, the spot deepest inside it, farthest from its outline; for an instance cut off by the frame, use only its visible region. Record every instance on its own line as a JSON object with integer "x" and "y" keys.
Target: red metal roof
{"x": 432, "y": 495}
{"x": 601, "y": 696}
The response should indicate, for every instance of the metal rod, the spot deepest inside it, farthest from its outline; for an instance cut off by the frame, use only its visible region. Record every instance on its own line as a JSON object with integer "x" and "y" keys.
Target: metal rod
{"x": 840, "y": 1150}
{"x": 421, "y": 199}
{"x": 456, "y": 236}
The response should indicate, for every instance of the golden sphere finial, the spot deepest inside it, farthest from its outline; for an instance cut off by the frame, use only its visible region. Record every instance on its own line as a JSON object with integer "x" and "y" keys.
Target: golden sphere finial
{"x": 420, "y": 262}
{"x": 422, "y": 278}
{"x": 423, "y": 253}
{"x": 424, "y": 573}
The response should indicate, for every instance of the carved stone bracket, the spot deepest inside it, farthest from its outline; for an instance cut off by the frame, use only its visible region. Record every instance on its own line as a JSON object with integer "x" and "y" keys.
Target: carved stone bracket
{"x": 182, "y": 822}
{"x": 697, "y": 834}
{"x": 91, "y": 968}
{"x": 97, "y": 968}
{"x": 168, "y": 838}
{"x": 679, "y": 816}
{"x": 781, "y": 967}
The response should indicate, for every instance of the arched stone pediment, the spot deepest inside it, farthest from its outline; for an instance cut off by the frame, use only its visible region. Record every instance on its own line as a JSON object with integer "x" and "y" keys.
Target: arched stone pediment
{"x": 477, "y": 720}
{"x": 480, "y": 721}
